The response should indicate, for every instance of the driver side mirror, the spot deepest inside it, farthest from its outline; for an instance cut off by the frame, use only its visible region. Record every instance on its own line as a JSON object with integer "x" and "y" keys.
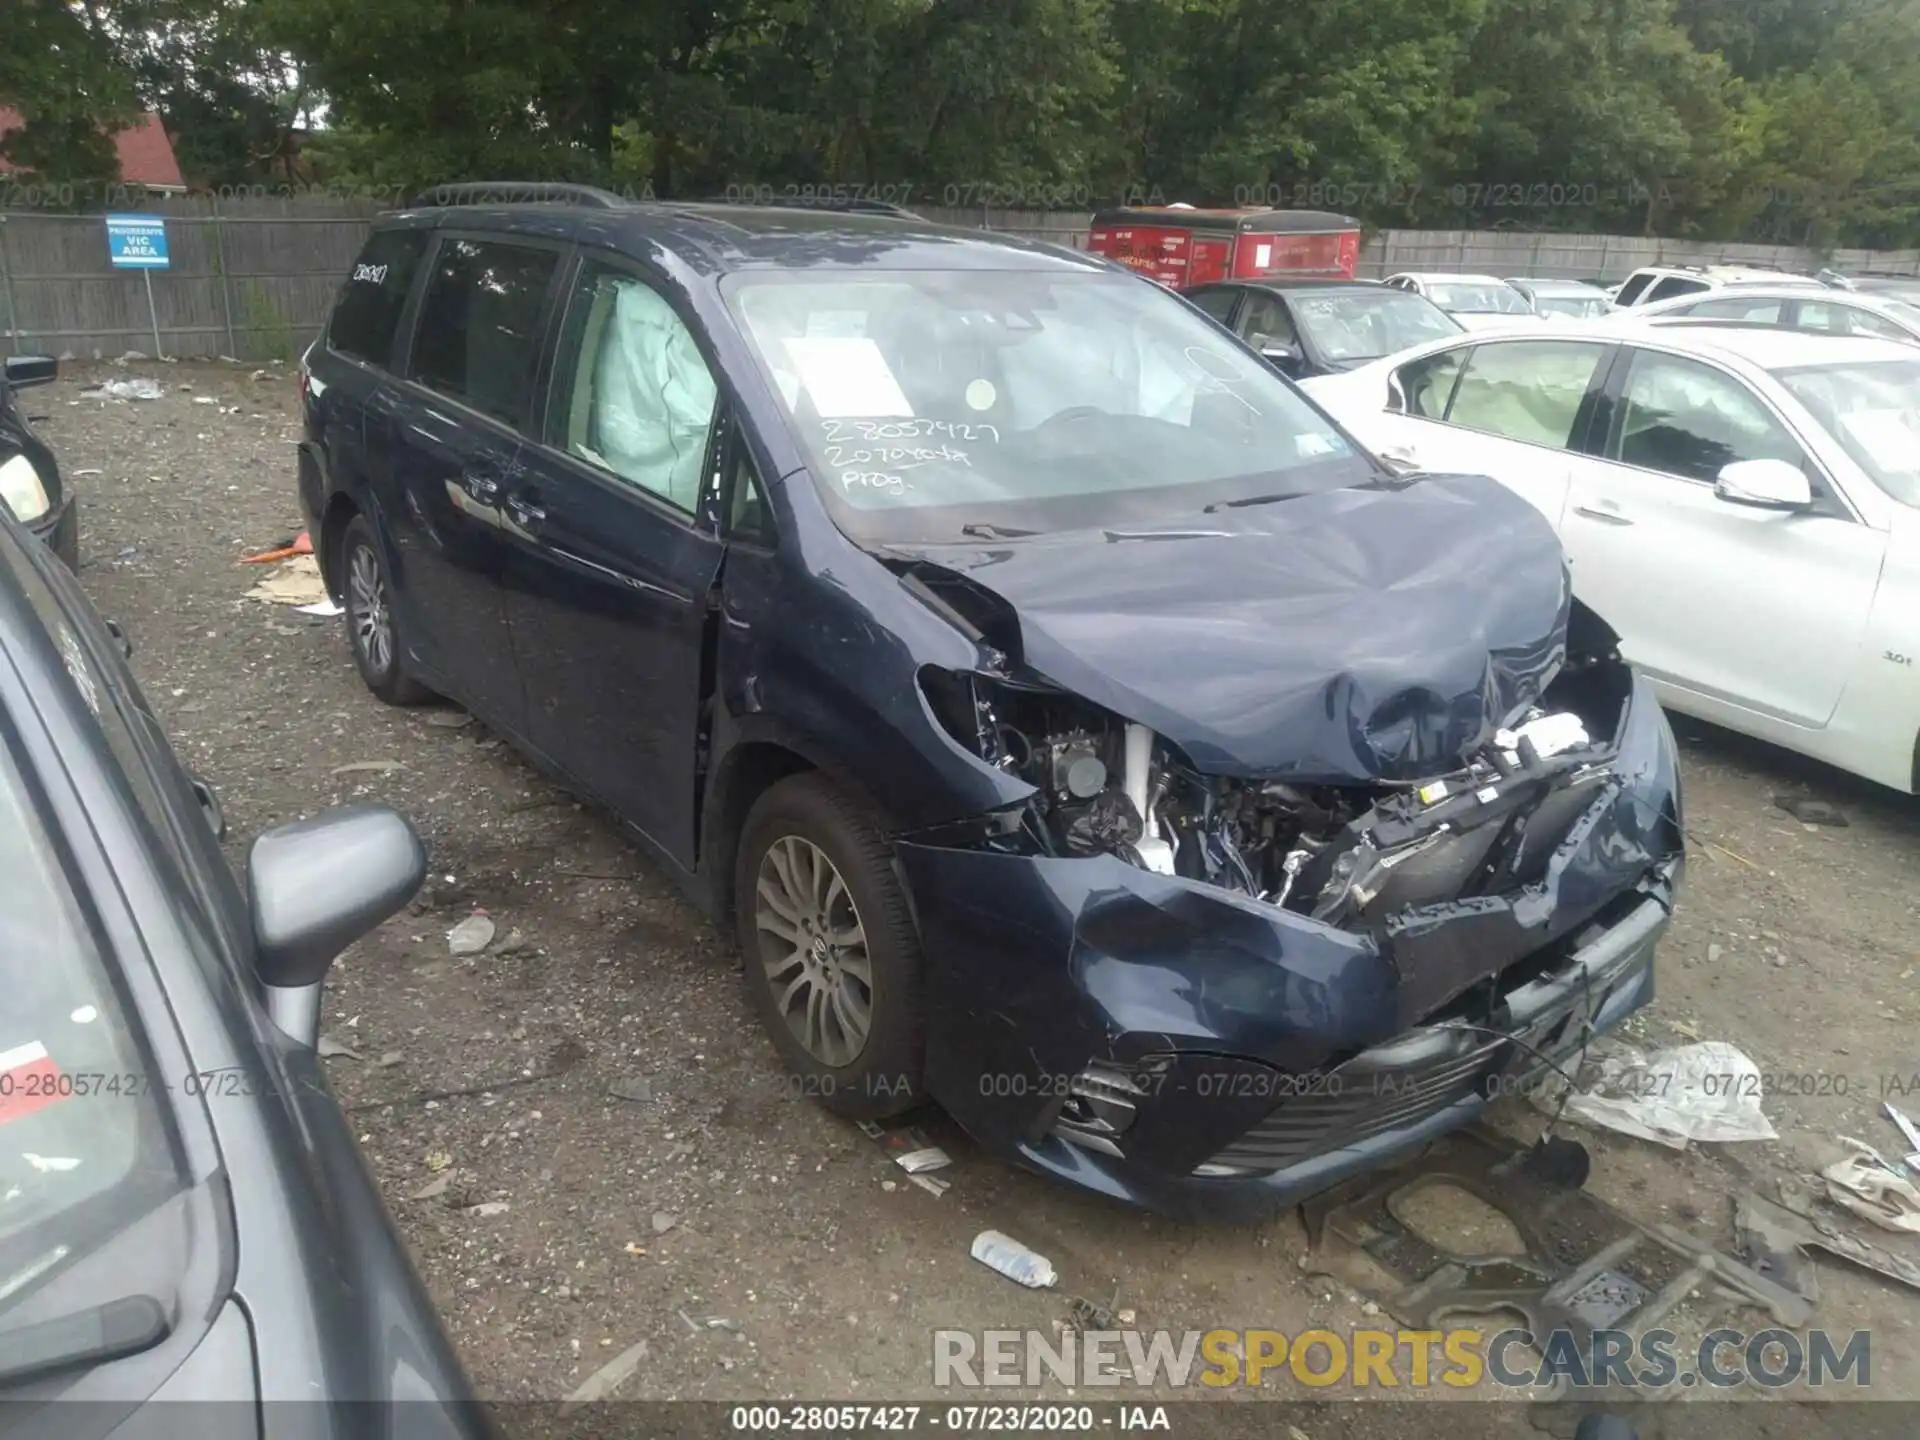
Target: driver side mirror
{"x": 316, "y": 886}
{"x": 25, "y": 370}
{"x": 1765, "y": 484}
{"x": 1285, "y": 358}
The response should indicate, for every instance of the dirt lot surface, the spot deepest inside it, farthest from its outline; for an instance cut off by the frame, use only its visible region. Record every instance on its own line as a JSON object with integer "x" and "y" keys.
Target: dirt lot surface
{"x": 596, "y": 1070}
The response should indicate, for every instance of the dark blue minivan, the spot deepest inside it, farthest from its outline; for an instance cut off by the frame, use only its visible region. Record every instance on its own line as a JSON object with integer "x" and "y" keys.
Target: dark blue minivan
{"x": 1076, "y": 727}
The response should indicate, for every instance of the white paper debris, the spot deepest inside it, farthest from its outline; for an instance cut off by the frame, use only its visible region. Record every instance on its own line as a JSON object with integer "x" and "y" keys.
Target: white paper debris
{"x": 324, "y": 608}
{"x": 471, "y": 935}
{"x": 1867, "y": 1184}
{"x": 846, "y": 375}
{"x": 1709, "y": 1091}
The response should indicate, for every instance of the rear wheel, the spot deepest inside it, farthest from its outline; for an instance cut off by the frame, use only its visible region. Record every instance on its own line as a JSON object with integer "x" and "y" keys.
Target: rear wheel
{"x": 371, "y": 628}
{"x": 829, "y": 951}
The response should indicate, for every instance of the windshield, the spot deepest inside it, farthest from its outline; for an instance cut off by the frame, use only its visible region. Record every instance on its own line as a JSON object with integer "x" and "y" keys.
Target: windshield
{"x": 83, "y": 1146}
{"x": 1354, "y": 325}
{"x": 1580, "y": 307}
{"x": 929, "y": 401}
{"x": 1488, "y": 299}
{"x": 1873, "y": 410}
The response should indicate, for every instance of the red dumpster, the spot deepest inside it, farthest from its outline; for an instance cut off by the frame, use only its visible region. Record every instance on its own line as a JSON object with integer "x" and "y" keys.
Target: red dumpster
{"x": 1180, "y": 246}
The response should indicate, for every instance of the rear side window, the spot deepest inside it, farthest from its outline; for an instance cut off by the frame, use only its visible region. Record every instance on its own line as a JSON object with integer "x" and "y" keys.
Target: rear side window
{"x": 1675, "y": 285}
{"x": 1527, "y": 390}
{"x": 479, "y": 324}
{"x": 1428, "y": 383}
{"x": 1630, "y": 292}
{"x": 1217, "y": 303}
{"x": 368, "y": 313}
{"x": 1735, "y": 307}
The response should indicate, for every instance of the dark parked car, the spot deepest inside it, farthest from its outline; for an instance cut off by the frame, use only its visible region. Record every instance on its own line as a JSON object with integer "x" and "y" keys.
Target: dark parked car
{"x": 29, "y": 478}
{"x": 1074, "y": 725}
{"x": 184, "y": 1214}
{"x": 1319, "y": 327}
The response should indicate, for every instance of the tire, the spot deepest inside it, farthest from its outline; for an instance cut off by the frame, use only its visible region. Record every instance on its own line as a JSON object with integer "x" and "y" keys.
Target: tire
{"x": 796, "y": 824}
{"x": 367, "y": 598}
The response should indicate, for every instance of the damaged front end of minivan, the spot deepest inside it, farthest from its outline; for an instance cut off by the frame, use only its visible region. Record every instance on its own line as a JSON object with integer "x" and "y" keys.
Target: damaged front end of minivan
{"x": 1213, "y": 970}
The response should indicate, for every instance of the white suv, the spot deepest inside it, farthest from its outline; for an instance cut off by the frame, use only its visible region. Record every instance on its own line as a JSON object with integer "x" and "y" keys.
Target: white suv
{"x": 1665, "y": 282}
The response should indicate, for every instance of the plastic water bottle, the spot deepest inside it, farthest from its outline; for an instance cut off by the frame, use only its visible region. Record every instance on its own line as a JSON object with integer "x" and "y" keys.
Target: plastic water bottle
{"x": 1013, "y": 1260}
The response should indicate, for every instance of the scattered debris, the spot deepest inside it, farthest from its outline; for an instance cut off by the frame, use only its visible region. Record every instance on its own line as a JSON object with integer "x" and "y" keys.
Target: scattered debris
{"x": 1910, "y": 1131}
{"x": 261, "y": 375}
{"x": 663, "y": 1222}
{"x": 391, "y": 1059}
{"x": 1811, "y": 812}
{"x": 487, "y": 1208}
{"x": 471, "y": 935}
{"x": 721, "y": 1322}
{"x": 327, "y": 609}
{"x": 137, "y": 389}
{"x": 1771, "y": 1238}
{"x": 1084, "y": 1315}
{"x": 1867, "y": 1183}
{"x": 330, "y": 1047}
{"x": 633, "y": 1249}
{"x": 1583, "y": 1265}
{"x": 368, "y": 767}
{"x": 1708, "y": 1091}
{"x": 1829, "y": 1238}
{"x": 296, "y": 582}
{"x": 1013, "y": 1260}
{"x": 205, "y": 400}
{"x": 910, "y": 1149}
{"x": 637, "y": 1088}
{"x": 608, "y": 1378}
{"x": 449, "y": 719}
{"x": 933, "y": 1184}
{"x": 687, "y": 1320}
{"x": 301, "y": 544}
{"x": 438, "y": 1160}
{"x": 433, "y": 1188}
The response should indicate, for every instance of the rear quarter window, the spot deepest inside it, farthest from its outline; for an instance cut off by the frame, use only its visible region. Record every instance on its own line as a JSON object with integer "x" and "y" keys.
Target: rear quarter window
{"x": 367, "y": 315}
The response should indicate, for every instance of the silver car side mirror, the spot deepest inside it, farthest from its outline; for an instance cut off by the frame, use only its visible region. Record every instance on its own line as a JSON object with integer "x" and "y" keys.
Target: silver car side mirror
{"x": 316, "y": 886}
{"x": 1766, "y": 484}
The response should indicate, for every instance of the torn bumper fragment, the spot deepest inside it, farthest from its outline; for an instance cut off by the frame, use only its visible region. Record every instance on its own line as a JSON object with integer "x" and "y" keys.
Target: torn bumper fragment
{"x": 1236, "y": 993}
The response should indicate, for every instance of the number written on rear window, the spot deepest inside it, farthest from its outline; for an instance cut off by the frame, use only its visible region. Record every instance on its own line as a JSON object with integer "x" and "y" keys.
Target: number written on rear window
{"x": 368, "y": 314}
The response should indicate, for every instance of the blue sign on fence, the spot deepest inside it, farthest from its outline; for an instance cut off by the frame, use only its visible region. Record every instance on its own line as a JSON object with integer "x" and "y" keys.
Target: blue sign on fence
{"x": 137, "y": 242}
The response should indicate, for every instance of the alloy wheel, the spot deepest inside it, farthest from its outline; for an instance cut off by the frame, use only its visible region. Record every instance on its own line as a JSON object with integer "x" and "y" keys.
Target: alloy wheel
{"x": 367, "y": 598}
{"x": 814, "y": 949}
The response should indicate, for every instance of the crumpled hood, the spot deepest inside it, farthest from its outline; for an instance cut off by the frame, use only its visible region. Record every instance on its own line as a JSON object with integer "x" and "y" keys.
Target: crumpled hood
{"x": 1350, "y": 635}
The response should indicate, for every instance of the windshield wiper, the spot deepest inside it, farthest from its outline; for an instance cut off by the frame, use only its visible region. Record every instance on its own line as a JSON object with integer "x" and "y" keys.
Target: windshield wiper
{"x": 1219, "y": 505}
{"x": 980, "y": 531}
{"x": 106, "y": 1332}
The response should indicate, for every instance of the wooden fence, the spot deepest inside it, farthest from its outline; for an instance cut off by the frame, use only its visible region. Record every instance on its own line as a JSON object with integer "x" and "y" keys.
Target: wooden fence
{"x": 254, "y": 278}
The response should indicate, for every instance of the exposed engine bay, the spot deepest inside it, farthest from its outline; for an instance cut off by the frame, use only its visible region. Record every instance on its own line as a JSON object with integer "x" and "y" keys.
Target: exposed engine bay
{"x": 1347, "y": 854}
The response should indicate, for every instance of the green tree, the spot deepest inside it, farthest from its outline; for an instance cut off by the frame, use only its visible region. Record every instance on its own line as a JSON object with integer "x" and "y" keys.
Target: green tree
{"x": 60, "y": 69}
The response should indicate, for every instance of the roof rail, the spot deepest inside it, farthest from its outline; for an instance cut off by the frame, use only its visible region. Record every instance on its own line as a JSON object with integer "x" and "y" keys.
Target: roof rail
{"x": 856, "y": 205}
{"x": 516, "y": 192}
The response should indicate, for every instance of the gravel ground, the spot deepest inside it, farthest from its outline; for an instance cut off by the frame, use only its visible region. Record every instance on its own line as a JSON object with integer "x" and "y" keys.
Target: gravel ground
{"x": 597, "y": 1073}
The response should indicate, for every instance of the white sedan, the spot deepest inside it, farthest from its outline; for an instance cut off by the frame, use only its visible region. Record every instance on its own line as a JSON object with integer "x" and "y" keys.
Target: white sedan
{"x": 1741, "y": 505}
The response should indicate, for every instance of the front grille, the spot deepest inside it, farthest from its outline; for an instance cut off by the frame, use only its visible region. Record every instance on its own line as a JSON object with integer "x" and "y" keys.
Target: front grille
{"x": 1353, "y": 1102}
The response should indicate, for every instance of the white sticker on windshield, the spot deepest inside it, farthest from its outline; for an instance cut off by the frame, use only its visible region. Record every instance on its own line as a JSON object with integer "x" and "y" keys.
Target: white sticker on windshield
{"x": 840, "y": 324}
{"x": 847, "y": 375}
{"x": 1887, "y": 436}
{"x": 1312, "y": 442}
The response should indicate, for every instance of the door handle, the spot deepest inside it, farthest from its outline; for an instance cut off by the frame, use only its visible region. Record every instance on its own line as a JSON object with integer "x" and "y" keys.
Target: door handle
{"x": 1605, "y": 517}
{"x": 525, "y": 511}
{"x": 209, "y": 807}
{"x": 481, "y": 487}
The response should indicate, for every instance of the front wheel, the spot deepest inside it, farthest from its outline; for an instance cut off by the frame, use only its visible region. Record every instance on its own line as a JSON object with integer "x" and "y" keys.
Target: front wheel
{"x": 371, "y": 628}
{"x": 830, "y": 954}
